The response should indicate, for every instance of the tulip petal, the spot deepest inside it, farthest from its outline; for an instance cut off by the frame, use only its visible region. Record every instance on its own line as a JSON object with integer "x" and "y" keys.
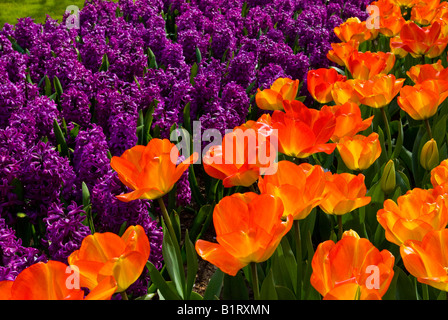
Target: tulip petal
{"x": 215, "y": 254}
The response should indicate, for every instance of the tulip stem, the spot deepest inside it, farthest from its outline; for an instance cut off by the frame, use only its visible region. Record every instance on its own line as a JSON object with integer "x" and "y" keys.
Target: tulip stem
{"x": 340, "y": 226}
{"x": 298, "y": 258}
{"x": 255, "y": 287}
{"x": 167, "y": 219}
{"x": 428, "y": 128}
{"x": 124, "y": 295}
{"x": 389, "y": 136}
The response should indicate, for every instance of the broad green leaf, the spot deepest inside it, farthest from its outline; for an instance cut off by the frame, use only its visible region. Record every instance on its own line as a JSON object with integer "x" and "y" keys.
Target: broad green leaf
{"x": 268, "y": 291}
{"x": 161, "y": 284}
{"x": 173, "y": 261}
{"x": 192, "y": 264}
{"x": 213, "y": 290}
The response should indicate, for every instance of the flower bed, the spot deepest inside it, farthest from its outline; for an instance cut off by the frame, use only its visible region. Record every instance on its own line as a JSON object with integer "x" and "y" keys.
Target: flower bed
{"x": 356, "y": 114}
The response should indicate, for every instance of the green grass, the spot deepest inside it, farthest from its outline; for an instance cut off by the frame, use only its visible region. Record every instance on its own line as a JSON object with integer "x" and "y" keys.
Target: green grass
{"x": 11, "y": 10}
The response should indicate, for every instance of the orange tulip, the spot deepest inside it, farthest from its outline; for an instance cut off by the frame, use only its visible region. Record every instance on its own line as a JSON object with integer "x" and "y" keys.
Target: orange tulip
{"x": 106, "y": 254}
{"x": 303, "y": 131}
{"x": 405, "y": 3}
{"x": 345, "y": 192}
{"x": 439, "y": 178}
{"x": 379, "y": 91}
{"x": 52, "y": 281}
{"x": 416, "y": 213}
{"x": 422, "y": 100}
{"x": 355, "y": 29}
{"x": 272, "y": 98}
{"x": 428, "y": 41}
{"x": 351, "y": 268}
{"x": 300, "y": 187}
{"x": 150, "y": 171}
{"x": 359, "y": 152}
{"x": 427, "y": 260}
{"x": 365, "y": 65}
{"x": 391, "y": 20}
{"x": 320, "y": 83}
{"x": 423, "y": 72}
{"x": 423, "y": 12}
{"x": 341, "y": 51}
{"x": 344, "y": 92}
{"x": 244, "y": 154}
{"x": 248, "y": 229}
{"x": 348, "y": 120}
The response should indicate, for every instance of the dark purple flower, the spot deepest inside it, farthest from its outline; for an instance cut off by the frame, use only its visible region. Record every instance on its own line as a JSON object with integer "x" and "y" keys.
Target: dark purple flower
{"x": 65, "y": 230}
{"x": 14, "y": 257}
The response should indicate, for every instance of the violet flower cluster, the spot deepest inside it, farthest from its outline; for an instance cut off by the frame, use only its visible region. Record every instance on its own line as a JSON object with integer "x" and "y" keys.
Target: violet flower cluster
{"x": 93, "y": 82}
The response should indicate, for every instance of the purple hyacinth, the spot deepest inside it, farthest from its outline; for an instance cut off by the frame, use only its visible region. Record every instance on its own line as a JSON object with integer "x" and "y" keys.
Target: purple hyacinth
{"x": 90, "y": 161}
{"x": 111, "y": 213}
{"x": 14, "y": 257}
{"x": 65, "y": 230}
{"x": 75, "y": 107}
{"x": 46, "y": 176}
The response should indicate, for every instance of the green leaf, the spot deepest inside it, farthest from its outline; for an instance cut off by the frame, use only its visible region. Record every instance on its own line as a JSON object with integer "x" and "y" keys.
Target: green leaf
{"x": 161, "y": 284}
{"x": 60, "y": 139}
{"x": 104, "y": 63}
{"x": 213, "y": 290}
{"x": 192, "y": 263}
{"x": 198, "y": 55}
{"x": 48, "y": 89}
{"x": 268, "y": 291}
{"x": 284, "y": 293}
{"x": 173, "y": 261}
{"x": 399, "y": 142}
{"x": 193, "y": 73}
{"x": 57, "y": 86}
{"x": 235, "y": 288}
{"x": 152, "y": 63}
{"x": 199, "y": 220}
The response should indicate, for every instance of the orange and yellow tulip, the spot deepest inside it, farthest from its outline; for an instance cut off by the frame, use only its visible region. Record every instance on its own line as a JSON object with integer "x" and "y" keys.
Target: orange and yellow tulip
{"x": 106, "y": 254}
{"x": 272, "y": 98}
{"x": 405, "y": 3}
{"x": 300, "y": 187}
{"x": 303, "y": 131}
{"x": 365, "y": 65}
{"x": 359, "y": 152}
{"x": 427, "y": 260}
{"x": 345, "y": 192}
{"x": 429, "y": 41}
{"x": 379, "y": 91}
{"x": 424, "y": 12}
{"x": 341, "y": 51}
{"x": 422, "y": 100}
{"x": 243, "y": 155}
{"x": 150, "y": 171}
{"x": 355, "y": 29}
{"x": 344, "y": 92}
{"x": 52, "y": 281}
{"x": 423, "y": 72}
{"x": 320, "y": 83}
{"x": 348, "y": 120}
{"x": 439, "y": 178}
{"x": 248, "y": 228}
{"x": 391, "y": 20}
{"x": 413, "y": 215}
{"x": 344, "y": 270}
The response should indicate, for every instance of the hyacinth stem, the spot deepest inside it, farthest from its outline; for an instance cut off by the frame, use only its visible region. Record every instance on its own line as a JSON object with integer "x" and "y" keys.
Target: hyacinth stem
{"x": 167, "y": 219}
{"x": 389, "y": 136}
{"x": 298, "y": 258}
{"x": 428, "y": 128}
{"x": 255, "y": 286}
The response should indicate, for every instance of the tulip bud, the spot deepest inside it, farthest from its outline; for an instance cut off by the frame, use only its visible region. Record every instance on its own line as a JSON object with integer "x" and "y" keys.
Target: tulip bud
{"x": 429, "y": 157}
{"x": 388, "y": 178}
